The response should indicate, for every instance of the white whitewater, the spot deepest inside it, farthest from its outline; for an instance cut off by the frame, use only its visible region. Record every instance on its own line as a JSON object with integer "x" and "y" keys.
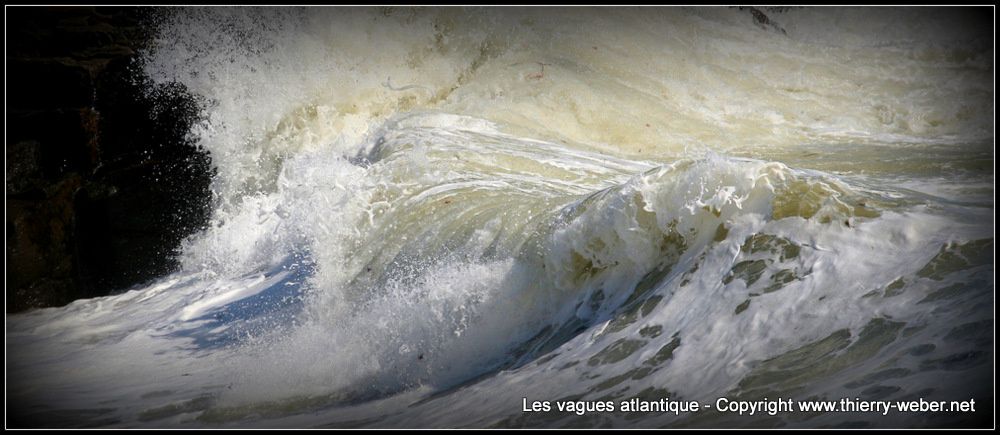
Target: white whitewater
{"x": 423, "y": 216}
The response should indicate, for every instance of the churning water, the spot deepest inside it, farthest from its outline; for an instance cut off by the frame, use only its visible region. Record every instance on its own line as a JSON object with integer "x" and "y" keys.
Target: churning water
{"x": 424, "y": 215}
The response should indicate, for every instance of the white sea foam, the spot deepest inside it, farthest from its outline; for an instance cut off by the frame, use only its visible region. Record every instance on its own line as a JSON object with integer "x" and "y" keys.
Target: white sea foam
{"x": 425, "y": 215}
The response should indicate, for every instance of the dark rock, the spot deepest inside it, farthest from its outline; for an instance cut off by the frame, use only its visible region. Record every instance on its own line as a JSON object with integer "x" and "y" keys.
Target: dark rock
{"x": 157, "y": 183}
{"x": 23, "y": 168}
{"x": 101, "y": 183}
{"x": 40, "y": 245}
{"x": 46, "y": 83}
{"x": 63, "y": 136}
{"x": 82, "y": 37}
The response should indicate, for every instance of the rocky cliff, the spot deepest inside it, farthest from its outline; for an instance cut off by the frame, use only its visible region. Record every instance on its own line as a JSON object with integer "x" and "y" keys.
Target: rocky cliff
{"x": 101, "y": 182}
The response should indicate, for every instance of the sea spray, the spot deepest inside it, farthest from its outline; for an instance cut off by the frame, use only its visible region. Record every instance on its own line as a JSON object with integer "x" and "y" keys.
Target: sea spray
{"x": 425, "y": 215}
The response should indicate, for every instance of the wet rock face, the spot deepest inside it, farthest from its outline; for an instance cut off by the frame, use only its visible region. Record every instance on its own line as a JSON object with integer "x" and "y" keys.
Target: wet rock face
{"x": 101, "y": 183}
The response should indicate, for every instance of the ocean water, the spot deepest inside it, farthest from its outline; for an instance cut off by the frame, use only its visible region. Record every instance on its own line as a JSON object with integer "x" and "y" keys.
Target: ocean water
{"x": 424, "y": 216}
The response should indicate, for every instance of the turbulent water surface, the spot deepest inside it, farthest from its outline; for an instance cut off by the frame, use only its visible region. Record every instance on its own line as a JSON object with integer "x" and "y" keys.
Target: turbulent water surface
{"x": 422, "y": 216}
